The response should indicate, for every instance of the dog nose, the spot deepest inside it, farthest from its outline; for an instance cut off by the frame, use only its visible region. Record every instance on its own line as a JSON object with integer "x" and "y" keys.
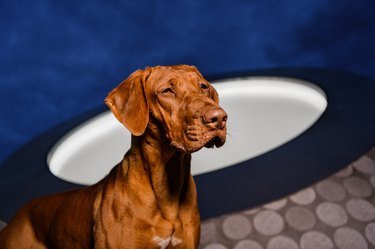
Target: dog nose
{"x": 215, "y": 118}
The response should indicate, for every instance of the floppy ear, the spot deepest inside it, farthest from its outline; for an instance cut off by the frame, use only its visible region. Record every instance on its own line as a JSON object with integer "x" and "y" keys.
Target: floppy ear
{"x": 128, "y": 102}
{"x": 214, "y": 95}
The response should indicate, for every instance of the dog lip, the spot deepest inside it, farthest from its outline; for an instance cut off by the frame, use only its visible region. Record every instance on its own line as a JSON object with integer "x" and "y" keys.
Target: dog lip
{"x": 210, "y": 144}
{"x": 214, "y": 142}
{"x": 198, "y": 137}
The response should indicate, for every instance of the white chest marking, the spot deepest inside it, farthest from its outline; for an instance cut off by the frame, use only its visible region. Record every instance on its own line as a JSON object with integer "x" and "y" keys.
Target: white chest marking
{"x": 164, "y": 243}
{"x": 175, "y": 241}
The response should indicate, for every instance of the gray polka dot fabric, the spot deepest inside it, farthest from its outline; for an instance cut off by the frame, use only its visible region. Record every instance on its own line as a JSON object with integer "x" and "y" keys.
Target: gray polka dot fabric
{"x": 337, "y": 212}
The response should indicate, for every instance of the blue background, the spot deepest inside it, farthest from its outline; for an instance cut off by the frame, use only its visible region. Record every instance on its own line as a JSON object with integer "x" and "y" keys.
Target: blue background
{"x": 60, "y": 58}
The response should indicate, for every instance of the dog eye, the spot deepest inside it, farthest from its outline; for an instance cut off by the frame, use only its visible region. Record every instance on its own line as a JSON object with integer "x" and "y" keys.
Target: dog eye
{"x": 204, "y": 86}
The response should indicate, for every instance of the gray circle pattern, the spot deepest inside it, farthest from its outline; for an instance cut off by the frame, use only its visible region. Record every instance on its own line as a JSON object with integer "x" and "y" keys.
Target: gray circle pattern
{"x": 300, "y": 218}
{"x": 348, "y": 238}
{"x": 282, "y": 242}
{"x": 315, "y": 240}
{"x": 331, "y": 214}
{"x": 358, "y": 187}
{"x": 247, "y": 244}
{"x": 236, "y": 227}
{"x": 330, "y": 190}
{"x": 337, "y": 212}
{"x": 268, "y": 222}
{"x": 370, "y": 233}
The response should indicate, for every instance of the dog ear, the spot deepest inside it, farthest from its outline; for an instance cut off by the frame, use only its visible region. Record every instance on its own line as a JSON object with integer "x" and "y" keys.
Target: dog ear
{"x": 128, "y": 102}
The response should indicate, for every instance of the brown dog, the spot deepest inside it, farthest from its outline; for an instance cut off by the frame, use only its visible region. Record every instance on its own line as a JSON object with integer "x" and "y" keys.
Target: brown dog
{"x": 149, "y": 199}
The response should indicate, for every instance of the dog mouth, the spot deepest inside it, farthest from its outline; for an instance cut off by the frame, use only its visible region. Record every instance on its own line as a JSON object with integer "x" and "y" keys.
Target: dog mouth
{"x": 197, "y": 138}
{"x": 214, "y": 142}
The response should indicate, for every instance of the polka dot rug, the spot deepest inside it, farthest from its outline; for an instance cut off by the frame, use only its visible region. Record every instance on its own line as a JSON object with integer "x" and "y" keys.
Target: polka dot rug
{"x": 337, "y": 212}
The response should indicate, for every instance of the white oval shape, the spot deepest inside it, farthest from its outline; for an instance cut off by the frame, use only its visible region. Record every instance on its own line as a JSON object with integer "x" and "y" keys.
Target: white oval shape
{"x": 263, "y": 113}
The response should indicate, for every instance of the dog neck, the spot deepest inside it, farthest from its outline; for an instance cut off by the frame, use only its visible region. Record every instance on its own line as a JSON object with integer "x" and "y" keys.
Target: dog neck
{"x": 167, "y": 170}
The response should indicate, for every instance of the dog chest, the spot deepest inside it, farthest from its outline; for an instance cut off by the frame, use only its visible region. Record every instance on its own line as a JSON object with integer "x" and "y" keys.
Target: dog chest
{"x": 164, "y": 243}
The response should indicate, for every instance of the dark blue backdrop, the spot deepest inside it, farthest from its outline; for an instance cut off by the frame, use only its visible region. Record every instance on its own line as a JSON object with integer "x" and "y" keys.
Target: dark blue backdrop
{"x": 60, "y": 58}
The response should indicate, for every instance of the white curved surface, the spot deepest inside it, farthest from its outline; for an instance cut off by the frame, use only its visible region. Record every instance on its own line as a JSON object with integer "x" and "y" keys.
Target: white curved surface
{"x": 263, "y": 113}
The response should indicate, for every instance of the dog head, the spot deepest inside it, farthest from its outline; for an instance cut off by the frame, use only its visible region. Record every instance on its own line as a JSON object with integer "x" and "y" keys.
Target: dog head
{"x": 174, "y": 102}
